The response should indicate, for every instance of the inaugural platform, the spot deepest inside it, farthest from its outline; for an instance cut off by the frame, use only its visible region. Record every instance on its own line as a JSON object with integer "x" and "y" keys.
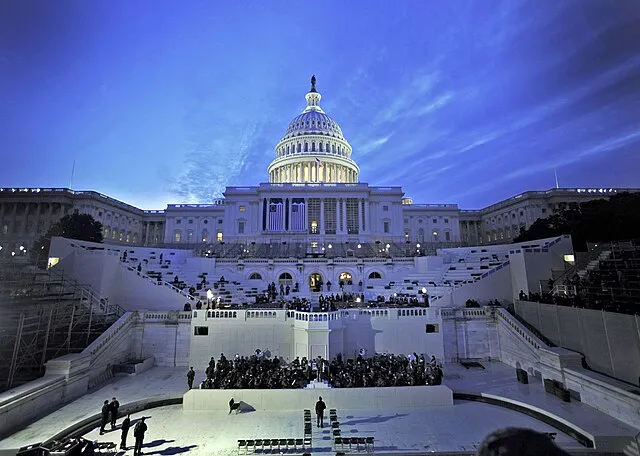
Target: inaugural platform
{"x": 300, "y": 399}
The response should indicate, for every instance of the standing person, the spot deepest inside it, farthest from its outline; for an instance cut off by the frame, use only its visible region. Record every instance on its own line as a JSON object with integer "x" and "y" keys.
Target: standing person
{"x": 320, "y": 408}
{"x": 138, "y": 433}
{"x": 113, "y": 408}
{"x": 126, "y": 424}
{"x": 190, "y": 376}
{"x": 104, "y": 417}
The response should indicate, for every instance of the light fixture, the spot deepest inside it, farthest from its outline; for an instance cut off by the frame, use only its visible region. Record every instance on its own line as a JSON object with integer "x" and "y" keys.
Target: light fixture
{"x": 330, "y": 246}
{"x": 359, "y": 246}
{"x": 418, "y": 245}
{"x": 424, "y": 290}
{"x": 209, "y": 294}
{"x": 388, "y": 246}
{"x": 21, "y": 248}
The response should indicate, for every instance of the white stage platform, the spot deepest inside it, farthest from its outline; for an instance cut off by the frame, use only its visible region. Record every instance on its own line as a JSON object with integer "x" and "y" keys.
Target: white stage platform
{"x": 338, "y": 398}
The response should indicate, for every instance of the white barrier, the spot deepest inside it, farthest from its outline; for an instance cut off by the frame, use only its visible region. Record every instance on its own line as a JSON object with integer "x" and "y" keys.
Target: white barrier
{"x": 338, "y": 398}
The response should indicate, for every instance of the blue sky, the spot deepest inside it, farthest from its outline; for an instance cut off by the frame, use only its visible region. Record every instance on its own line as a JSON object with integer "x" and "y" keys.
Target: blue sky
{"x": 460, "y": 101}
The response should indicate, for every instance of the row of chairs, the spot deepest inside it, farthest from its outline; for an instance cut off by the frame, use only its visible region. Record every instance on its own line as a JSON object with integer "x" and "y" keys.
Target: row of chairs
{"x": 361, "y": 443}
{"x": 307, "y": 424}
{"x": 272, "y": 444}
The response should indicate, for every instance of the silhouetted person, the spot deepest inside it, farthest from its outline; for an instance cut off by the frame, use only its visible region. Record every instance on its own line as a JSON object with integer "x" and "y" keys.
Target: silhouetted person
{"x": 126, "y": 424}
{"x": 233, "y": 406}
{"x": 320, "y": 408}
{"x": 113, "y": 411}
{"x": 138, "y": 433}
{"x": 190, "y": 376}
{"x": 519, "y": 442}
{"x": 105, "y": 416}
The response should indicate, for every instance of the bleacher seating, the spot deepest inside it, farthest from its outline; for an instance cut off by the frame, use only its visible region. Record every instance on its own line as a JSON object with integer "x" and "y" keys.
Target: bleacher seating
{"x": 614, "y": 285}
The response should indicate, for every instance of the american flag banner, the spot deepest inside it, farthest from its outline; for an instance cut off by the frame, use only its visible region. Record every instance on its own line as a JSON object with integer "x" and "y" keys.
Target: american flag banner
{"x": 320, "y": 165}
{"x": 297, "y": 216}
{"x": 275, "y": 217}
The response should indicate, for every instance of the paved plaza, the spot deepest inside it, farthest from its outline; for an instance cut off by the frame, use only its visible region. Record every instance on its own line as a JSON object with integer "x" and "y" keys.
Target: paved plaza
{"x": 448, "y": 428}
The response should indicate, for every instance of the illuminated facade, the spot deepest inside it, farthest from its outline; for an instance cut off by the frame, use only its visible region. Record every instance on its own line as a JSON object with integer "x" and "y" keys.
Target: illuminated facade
{"x": 313, "y": 198}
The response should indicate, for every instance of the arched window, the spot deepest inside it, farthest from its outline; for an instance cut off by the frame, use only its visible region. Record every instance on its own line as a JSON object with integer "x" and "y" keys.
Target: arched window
{"x": 177, "y": 236}
{"x": 313, "y": 146}
{"x": 306, "y": 147}
{"x": 189, "y": 236}
{"x": 320, "y": 146}
{"x": 435, "y": 235}
{"x": 107, "y": 231}
{"x": 375, "y": 275}
{"x": 345, "y": 276}
{"x": 255, "y": 276}
{"x": 285, "y": 279}
{"x": 205, "y": 236}
{"x": 421, "y": 235}
{"x": 114, "y": 233}
{"x": 299, "y": 147}
{"x": 333, "y": 148}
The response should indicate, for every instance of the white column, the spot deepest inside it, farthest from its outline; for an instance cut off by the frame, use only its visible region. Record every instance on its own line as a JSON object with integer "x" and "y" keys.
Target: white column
{"x": 338, "y": 212}
{"x": 260, "y": 215}
{"x": 367, "y": 221}
{"x": 284, "y": 213}
{"x": 360, "y": 215}
{"x": 322, "y": 216}
{"x": 344, "y": 214}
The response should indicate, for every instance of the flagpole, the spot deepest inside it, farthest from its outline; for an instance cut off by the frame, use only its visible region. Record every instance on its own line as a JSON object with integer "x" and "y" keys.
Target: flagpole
{"x": 73, "y": 168}
{"x": 556, "y": 175}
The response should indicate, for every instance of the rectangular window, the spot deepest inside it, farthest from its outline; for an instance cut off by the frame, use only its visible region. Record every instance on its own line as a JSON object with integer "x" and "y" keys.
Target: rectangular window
{"x": 242, "y": 208}
{"x": 435, "y": 220}
{"x": 330, "y": 222}
{"x": 385, "y": 208}
{"x": 353, "y": 226}
{"x": 241, "y": 227}
{"x": 219, "y": 236}
{"x": 446, "y": 220}
{"x": 200, "y": 330}
{"x": 190, "y": 222}
{"x": 386, "y": 226}
{"x": 313, "y": 214}
{"x": 219, "y": 221}
{"x": 434, "y": 328}
{"x": 447, "y": 236}
{"x": 178, "y": 222}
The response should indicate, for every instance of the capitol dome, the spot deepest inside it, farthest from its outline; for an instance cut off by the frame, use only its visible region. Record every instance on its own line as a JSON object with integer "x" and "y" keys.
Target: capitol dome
{"x": 313, "y": 148}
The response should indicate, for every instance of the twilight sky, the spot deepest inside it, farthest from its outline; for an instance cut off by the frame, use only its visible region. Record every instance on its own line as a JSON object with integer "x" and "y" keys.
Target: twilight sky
{"x": 462, "y": 101}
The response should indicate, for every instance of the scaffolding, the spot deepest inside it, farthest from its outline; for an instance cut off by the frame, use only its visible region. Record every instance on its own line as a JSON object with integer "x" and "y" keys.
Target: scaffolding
{"x": 45, "y": 315}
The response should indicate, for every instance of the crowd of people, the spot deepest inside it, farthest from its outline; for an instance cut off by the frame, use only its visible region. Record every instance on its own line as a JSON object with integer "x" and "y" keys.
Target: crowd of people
{"x": 383, "y": 371}
{"x": 259, "y": 371}
{"x": 254, "y": 372}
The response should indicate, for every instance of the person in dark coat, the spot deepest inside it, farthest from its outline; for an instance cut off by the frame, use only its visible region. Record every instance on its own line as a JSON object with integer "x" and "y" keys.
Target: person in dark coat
{"x": 320, "y": 408}
{"x": 113, "y": 410}
{"x": 138, "y": 433}
{"x": 233, "y": 405}
{"x": 104, "y": 417}
{"x": 190, "y": 376}
{"x": 126, "y": 424}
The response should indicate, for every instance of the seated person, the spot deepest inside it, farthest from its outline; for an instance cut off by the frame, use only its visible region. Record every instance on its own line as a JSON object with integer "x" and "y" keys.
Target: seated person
{"x": 234, "y": 406}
